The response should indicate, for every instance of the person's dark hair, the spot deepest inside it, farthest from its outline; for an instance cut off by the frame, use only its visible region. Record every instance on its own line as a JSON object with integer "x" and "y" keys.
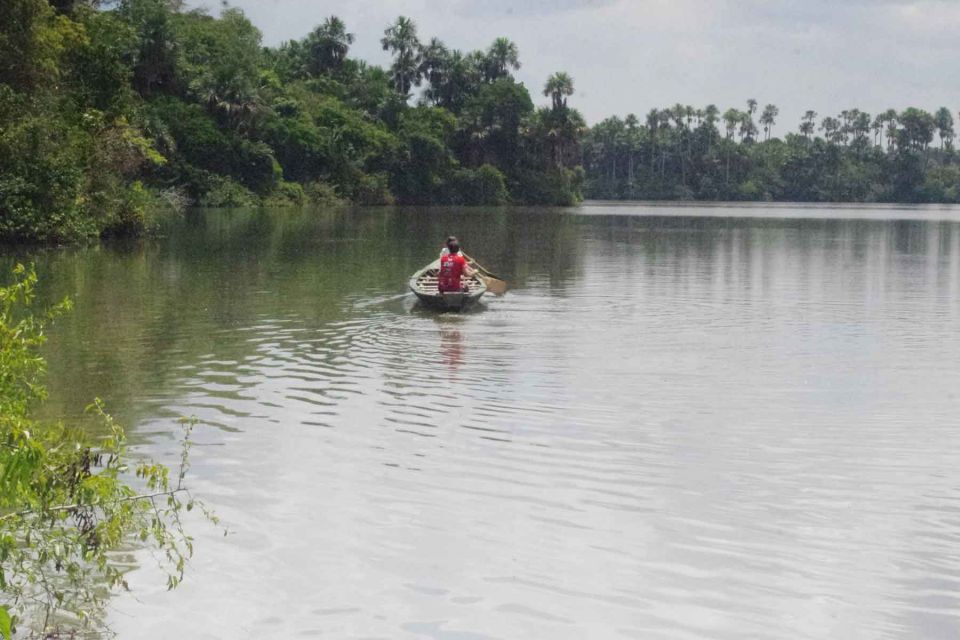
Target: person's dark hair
{"x": 451, "y": 240}
{"x": 454, "y": 247}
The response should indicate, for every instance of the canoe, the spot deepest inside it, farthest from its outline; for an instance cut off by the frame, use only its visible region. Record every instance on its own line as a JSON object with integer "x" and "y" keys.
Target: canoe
{"x": 424, "y": 284}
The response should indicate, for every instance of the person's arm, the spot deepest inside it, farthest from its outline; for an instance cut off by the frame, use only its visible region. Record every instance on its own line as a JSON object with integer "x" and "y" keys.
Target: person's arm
{"x": 467, "y": 270}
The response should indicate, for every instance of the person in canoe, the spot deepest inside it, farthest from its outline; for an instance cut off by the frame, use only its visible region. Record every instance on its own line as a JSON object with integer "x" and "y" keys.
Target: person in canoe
{"x": 453, "y": 267}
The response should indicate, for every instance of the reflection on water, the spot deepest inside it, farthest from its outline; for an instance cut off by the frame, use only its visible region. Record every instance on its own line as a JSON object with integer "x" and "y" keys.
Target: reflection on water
{"x": 451, "y": 344}
{"x": 680, "y": 422}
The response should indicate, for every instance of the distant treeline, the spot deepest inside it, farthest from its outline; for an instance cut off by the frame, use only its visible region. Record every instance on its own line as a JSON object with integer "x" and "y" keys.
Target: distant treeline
{"x": 111, "y": 110}
{"x": 686, "y": 153}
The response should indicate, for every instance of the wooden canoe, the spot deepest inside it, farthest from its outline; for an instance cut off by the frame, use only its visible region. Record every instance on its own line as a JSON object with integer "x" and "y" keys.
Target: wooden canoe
{"x": 424, "y": 284}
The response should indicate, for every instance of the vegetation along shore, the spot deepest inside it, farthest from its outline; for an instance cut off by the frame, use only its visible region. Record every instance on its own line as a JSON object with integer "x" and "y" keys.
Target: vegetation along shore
{"x": 113, "y": 112}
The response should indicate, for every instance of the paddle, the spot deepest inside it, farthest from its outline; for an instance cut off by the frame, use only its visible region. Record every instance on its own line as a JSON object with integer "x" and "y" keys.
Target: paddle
{"x": 495, "y": 285}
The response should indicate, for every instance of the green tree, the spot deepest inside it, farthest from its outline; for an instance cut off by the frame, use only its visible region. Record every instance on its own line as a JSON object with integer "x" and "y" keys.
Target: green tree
{"x": 768, "y": 119}
{"x": 400, "y": 38}
{"x": 807, "y": 123}
{"x": 891, "y": 118}
{"x": 731, "y": 118}
{"x": 559, "y": 86}
{"x": 155, "y": 63}
{"x": 455, "y": 78}
{"x": 916, "y": 128}
{"x": 944, "y": 122}
{"x": 434, "y": 65}
{"x": 327, "y": 46}
{"x": 502, "y": 56}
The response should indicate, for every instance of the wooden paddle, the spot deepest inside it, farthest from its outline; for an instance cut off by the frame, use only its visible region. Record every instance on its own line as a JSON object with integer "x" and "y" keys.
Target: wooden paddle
{"x": 495, "y": 285}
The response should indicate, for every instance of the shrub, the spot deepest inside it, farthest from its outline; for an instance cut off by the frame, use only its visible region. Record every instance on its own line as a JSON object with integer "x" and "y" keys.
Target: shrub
{"x": 555, "y": 186}
{"x": 482, "y": 186}
{"x": 372, "y": 189}
{"x": 287, "y": 194}
{"x": 320, "y": 193}
{"x": 68, "y": 503}
{"x": 224, "y": 192}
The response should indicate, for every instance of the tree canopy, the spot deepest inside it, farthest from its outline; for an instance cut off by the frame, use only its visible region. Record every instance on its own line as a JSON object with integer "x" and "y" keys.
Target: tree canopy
{"x": 109, "y": 115}
{"x": 112, "y": 114}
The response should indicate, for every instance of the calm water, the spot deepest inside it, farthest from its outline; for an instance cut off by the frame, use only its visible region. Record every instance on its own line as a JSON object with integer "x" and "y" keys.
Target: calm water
{"x": 682, "y": 422}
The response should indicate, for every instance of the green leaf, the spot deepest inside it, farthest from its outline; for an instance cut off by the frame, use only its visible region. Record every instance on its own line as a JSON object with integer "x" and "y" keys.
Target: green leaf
{"x": 5, "y": 624}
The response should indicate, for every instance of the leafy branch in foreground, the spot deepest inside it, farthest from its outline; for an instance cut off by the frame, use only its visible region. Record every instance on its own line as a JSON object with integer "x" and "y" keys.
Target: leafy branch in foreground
{"x": 68, "y": 502}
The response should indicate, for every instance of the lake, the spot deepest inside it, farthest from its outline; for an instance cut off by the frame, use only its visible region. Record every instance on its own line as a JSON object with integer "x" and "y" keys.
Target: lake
{"x": 681, "y": 422}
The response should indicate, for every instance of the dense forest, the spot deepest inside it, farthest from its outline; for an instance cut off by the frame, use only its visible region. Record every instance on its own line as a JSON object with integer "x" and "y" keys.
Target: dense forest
{"x": 110, "y": 111}
{"x": 685, "y": 153}
{"x": 114, "y": 112}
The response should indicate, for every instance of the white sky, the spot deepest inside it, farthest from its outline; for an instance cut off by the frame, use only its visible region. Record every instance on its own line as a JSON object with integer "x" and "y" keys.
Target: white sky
{"x": 633, "y": 55}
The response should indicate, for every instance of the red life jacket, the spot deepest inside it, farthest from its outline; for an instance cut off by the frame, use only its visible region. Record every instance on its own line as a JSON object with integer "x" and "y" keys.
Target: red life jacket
{"x": 451, "y": 268}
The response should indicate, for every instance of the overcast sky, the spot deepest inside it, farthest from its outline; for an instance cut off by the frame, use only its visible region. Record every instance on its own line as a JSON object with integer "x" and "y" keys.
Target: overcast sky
{"x": 632, "y": 55}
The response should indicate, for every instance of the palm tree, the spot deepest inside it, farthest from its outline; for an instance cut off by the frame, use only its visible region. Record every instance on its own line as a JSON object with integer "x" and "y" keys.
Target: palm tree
{"x": 747, "y": 128}
{"x": 877, "y": 127}
{"x": 558, "y": 87}
{"x": 633, "y": 142}
{"x": 456, "y": 81}
{"x": 891, "y": 118}
{"x": 400, "y": 38}
{"x": 711, "y": 114}
{"x": 861, "y": 127}
{"x": 768, "y": 118}
{"x": 653, "y": 126}
{"x": 501, "y": 56}
{"x": 730, "y": 118}
{"x": 434, "y": 64}
{"x": 327, "y": 46}
{"x": 678, "y": 112}
{"x": 831, "y": 129}
{"x": 944, "y": 120}
{"x": 807, "y": 125}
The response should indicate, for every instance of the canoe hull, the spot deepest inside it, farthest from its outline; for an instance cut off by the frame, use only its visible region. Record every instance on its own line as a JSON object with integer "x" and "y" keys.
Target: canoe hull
{"x": 424, "y": 285}
{"x": 451, "y": 301}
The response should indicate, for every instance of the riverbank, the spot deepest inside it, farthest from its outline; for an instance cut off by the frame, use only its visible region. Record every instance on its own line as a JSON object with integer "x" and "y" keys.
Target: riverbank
{"x": 108, "y": 115}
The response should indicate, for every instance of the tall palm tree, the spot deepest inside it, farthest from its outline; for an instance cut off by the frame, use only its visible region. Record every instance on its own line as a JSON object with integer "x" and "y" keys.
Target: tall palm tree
{"x": 944, "y": 120}
{"x": 558, "y": 87}
{"x": 633, "y": 141}
{"x": 502, "y": 56}
{"x": 327, "y": 46}
{"x": 877, "y": 127}
{"x": 807, "y": 125}
{"x": 711, "y": 114}
{"x": 653, "y": 126}
{"x": 678, "y": 112}
{"x": 747, "y": 128}
{"x": 400, "y": 38}
{"x": 456, "y": 80}
{"x": 730, "y": 118}
{"x": 831, "y": 129}
{"x": 861, "y": 129}
{"x": 710, "y": 117}
{"x": 768, "y": 119}
{"x": 434, "y": 65}
{"x": 891, "y": 118}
